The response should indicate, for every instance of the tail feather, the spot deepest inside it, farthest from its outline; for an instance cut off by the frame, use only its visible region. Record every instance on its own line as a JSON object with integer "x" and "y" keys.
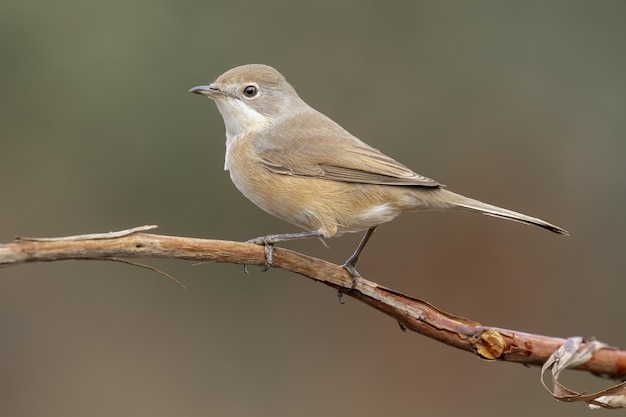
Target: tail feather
{"x": 495, "y": 211}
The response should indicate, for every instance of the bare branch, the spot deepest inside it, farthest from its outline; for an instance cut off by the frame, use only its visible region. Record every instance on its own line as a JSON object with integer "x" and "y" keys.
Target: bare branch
{"x": 487, "y": 342}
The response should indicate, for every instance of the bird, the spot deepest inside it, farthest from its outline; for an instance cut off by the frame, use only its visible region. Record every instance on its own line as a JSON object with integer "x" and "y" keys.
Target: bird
{"x": 299, "y": 165}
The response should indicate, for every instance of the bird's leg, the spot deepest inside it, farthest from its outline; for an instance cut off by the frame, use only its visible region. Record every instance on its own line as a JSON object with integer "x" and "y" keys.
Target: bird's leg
{"x": 269, "y": 240}
{"x": 350, "y": 264}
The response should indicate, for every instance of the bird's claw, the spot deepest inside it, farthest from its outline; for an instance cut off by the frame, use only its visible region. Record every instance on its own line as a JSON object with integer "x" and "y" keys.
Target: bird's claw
{"x": 353, "y": 272}
{"x": 355, "y": 279}
{"x": 340, "y": 297}
{"x": 268, "y": 245}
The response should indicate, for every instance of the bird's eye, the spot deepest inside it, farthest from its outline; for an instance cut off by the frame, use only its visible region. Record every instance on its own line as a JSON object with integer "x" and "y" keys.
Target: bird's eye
{"x": 250, "y": 91}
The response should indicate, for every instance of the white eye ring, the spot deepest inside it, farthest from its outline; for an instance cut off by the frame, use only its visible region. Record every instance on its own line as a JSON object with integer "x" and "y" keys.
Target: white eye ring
{"x": 250, "y": 91}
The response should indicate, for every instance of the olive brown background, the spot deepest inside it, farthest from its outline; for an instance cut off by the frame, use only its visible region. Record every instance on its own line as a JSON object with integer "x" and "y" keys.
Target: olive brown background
{"x": 517, "y": 104}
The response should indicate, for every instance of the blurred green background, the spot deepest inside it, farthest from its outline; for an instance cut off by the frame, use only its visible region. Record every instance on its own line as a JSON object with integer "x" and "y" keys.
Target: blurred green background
{"x": 517, "y": 104}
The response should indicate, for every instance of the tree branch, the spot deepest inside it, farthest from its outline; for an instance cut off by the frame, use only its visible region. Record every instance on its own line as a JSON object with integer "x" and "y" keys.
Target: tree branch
{"x": 487, "y": 342}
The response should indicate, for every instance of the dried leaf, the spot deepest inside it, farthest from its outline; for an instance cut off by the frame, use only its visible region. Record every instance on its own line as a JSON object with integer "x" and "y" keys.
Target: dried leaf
{"x": 574, "y": 352}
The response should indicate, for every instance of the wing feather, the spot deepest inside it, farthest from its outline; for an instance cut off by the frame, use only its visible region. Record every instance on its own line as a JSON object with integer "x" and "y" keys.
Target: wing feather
{"x": 338, "y": 156}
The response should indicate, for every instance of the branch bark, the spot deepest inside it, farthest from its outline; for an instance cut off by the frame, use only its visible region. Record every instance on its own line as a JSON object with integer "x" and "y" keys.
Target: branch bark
{"x": 487, "y": 342}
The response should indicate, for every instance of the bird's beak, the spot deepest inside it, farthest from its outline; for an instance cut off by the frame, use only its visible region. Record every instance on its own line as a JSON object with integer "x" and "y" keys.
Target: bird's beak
{"x": 210, "y": 90}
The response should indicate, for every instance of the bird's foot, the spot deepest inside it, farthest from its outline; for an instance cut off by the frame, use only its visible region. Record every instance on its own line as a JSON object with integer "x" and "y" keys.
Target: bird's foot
{"x": 269, "y": 240}
{"x": 268, "y": 244}
{"x": 349, "y": 266}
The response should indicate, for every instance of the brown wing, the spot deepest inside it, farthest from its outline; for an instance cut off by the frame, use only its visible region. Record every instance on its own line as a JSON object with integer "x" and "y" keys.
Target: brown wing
{"x": 333, "y": 153}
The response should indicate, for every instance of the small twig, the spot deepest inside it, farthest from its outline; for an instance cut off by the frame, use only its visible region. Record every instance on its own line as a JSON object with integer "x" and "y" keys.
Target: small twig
{"x": 91, "y": 236}
{"x": 151, "y": 268}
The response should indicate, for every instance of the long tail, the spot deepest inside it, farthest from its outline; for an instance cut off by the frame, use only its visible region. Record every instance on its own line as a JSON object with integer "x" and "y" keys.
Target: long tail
{"x": 457, "y": 200}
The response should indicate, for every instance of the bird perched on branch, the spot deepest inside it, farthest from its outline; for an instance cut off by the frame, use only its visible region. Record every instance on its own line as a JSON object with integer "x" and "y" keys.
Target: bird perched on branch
{"x": 300, "y": 166}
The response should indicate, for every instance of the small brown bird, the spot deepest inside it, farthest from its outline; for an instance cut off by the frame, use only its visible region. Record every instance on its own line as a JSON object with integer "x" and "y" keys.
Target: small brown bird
{"x": 300, "y": 166}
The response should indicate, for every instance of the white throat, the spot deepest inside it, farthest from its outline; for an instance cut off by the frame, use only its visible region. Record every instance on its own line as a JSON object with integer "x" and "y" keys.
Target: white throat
{"x": 240, "y": 119}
